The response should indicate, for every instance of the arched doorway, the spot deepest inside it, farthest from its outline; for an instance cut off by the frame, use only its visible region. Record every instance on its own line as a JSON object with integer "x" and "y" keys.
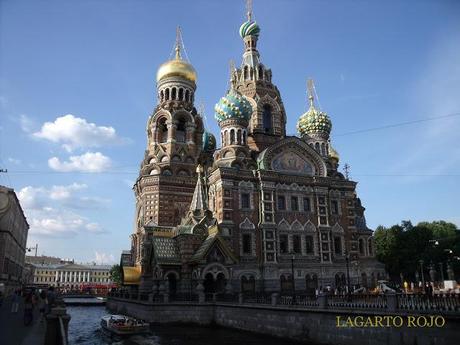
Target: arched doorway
{"x": 172, "y": 284}
{"x": 220, "y": 283}
{"x": 248, "y": 285}
{"x": 209, "y": 283}
{"x": 311, "y": 283}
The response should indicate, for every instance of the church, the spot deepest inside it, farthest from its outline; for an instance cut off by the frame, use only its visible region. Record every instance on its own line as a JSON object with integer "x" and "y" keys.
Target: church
{"x": 263, "y": 212}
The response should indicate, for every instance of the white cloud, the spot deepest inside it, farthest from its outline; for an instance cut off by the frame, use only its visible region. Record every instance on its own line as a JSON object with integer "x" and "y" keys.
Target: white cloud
{"x": 74, "y": 132}
{"x": 51, "y": 222}
{"x": 14, "y": 160}
{"x": 64, "y": 196}
{"x": 87, "y": 162}
{"x": 26, "y": 123}
{"x": 103, "y": 258}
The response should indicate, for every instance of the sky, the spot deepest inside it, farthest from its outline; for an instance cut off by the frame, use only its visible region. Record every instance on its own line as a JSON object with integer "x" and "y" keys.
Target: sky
{"x": 77, "y": 85}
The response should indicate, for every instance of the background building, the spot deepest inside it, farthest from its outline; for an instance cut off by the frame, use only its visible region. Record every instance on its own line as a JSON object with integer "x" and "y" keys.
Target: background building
{"x": 13, "y": 238}
{"x": 72, "y": 276}
{"x": 264, "y": 212}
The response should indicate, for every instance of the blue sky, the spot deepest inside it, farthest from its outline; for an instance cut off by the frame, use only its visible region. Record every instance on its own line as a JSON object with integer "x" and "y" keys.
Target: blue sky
{"x": 77, "y": 84}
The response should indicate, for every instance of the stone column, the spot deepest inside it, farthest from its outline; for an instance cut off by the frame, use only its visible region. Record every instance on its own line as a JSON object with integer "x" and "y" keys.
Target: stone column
{"x": 171, "y": 131}
{"x": 189, "y": 131}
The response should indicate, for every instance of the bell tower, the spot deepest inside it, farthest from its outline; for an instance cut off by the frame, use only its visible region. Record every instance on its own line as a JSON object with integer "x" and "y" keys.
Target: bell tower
{"x": 254, "y": 80}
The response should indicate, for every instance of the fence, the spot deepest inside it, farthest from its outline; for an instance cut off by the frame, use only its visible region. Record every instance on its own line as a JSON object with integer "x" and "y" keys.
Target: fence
{"x": 384, "y": 302}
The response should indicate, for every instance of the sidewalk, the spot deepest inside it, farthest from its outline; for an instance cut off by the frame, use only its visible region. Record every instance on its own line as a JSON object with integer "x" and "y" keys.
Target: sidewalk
{"x": 13, "y": 331}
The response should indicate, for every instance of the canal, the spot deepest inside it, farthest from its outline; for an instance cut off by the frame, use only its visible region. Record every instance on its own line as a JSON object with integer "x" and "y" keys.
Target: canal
{"x": 84, "y": 329}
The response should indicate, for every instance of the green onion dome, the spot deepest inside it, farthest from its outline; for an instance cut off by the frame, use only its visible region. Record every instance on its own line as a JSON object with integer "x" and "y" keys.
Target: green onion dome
{"x": 209, "y": 142}
{"x": 314, "y": 122}
{"x": 249, "y": 28}
{"x": 233, "y": 106}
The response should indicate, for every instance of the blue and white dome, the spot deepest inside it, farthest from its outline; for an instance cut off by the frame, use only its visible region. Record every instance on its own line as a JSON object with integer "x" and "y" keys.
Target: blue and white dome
{"x": 233, "y": 106}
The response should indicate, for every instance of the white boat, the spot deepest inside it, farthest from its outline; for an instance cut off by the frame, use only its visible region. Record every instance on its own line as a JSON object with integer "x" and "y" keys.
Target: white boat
{"x": 123, "y": 325}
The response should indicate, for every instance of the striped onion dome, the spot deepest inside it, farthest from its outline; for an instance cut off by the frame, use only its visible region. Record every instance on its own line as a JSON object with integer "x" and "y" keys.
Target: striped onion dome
{"x": 233, "y": 106}
{"x": 209, "y": 141}
{"x": 314, "y": 122}
{"x": 249, "y": 28}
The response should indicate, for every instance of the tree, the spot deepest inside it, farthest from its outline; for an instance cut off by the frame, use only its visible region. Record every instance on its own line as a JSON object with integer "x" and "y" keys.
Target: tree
{"x": 116, "y": 274}
{"x": 401, "y": 247}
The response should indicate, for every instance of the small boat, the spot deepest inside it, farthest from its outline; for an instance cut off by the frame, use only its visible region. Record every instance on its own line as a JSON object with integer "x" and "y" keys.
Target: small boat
{"x": 123, "y": 325}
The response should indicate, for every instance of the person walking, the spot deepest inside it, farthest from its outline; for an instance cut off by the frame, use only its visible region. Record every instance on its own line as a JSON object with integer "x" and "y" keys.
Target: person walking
{"x": 42, "y": 302}
{"x": 15, "y": 301}
{"x": 28, "y": 308}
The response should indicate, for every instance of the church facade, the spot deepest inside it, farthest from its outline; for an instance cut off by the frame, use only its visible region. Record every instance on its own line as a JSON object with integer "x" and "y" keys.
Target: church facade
{"x": 264, "y": 212}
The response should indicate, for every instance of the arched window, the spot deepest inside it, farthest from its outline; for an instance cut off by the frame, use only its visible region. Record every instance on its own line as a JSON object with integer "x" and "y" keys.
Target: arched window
{"x": 361, "y": 246}
{"x": 173, "y": 94}
{"x": 244, "y": 137}
{"x": 323, "y": 149}
{"x": 167, "y": 95}
{"x": 187, "y": 95}
{"x": 261, "y": 72}
{"x": 370, "y": 246}
{"x": 162, "y": 96}
{"x": 162, "y": 131}
{"x": 232, "y": 136}
{"x": 267, "y": 119}
{"x": 181, "y": 94}
{"x": 317, "y": 147}
{"x": 238, "y": 137}
{"x": 180, "y": 131}
{"x": 245, "y": 72}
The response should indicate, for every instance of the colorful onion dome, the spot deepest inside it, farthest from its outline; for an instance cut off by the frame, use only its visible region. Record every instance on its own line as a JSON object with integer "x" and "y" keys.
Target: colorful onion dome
{"x": 333, "y": 154}
{"x": 314, "y": 122}
{"x": 249, "y": 28}
{"x": 209, "y": 141}
{"x": 233, "y": 106}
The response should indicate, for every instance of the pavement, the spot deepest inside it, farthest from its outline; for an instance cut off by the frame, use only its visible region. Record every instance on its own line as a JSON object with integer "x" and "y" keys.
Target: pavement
{"x": 12, "y": 329}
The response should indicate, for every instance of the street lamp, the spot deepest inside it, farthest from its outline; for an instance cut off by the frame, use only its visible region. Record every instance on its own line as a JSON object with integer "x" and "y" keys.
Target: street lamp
{"x": 347, "y": 258}
{"x": 423, "y": 275}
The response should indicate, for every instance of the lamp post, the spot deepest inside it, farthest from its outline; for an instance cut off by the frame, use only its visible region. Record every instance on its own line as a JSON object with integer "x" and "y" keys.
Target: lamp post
{"x": 347, "y": 258}
{"x": 423, "y": 275}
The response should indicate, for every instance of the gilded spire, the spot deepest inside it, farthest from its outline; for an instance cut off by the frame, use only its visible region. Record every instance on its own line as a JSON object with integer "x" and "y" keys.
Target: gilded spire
{"x": 310, "y": 91}
{"x": 249, "y": 9}
{"x": 178, "y": 43}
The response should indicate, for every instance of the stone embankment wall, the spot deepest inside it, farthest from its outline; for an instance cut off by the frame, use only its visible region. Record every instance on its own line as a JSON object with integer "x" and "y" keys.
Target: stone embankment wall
{"x": 313, "y": 326}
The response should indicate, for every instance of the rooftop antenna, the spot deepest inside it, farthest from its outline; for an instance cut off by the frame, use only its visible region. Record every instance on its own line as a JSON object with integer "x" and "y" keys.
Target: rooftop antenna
{"x": 249, "y": 9}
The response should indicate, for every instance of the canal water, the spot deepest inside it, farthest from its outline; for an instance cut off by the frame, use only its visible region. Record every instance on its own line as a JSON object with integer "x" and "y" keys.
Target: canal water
{"x": 84, "y": 329}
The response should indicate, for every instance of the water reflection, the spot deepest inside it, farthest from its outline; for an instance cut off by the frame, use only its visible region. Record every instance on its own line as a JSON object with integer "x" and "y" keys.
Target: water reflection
{"x": 84, "y": 329}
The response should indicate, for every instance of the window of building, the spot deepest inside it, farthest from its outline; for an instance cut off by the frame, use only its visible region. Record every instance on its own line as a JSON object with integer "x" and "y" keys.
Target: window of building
{"x": 180, "y": 131}
{"x": 306, "y": 204}
{"x": 296, "y": 247}
{"x": 338, "y": 245}
{"x": 294, "y": 203}
{"x": 323, "y": 220}
{"x": 370, "y": 247}
{"x": 309, "y": 244}
{"x": 361, "y": 246}
{"x": 281, "y": 202}
{"x": 245, "y": 200}
{"x": 334, "y": 207}
{"x": 247, "y": 245}
{"x": 267, "y": 119}
{"x": 283, "y": 244}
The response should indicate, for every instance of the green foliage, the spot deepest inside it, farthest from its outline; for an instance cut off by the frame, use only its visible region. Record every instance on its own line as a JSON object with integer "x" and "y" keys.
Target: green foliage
{"x": 115, "y": 274}
{"x": 401, "y": 247}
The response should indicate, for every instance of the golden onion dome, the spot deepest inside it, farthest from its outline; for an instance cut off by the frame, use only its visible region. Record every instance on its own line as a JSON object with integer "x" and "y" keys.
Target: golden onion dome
{"x": 176, "y": 68}
{"x": 333, "y": 154}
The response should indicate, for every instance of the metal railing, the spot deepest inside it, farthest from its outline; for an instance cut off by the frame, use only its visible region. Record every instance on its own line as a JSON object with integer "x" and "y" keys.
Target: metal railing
{"x": 390, "y": 302}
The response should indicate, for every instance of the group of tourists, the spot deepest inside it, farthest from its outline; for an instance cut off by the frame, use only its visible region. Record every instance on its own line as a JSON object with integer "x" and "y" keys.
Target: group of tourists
{"x": 33, "y": 299}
